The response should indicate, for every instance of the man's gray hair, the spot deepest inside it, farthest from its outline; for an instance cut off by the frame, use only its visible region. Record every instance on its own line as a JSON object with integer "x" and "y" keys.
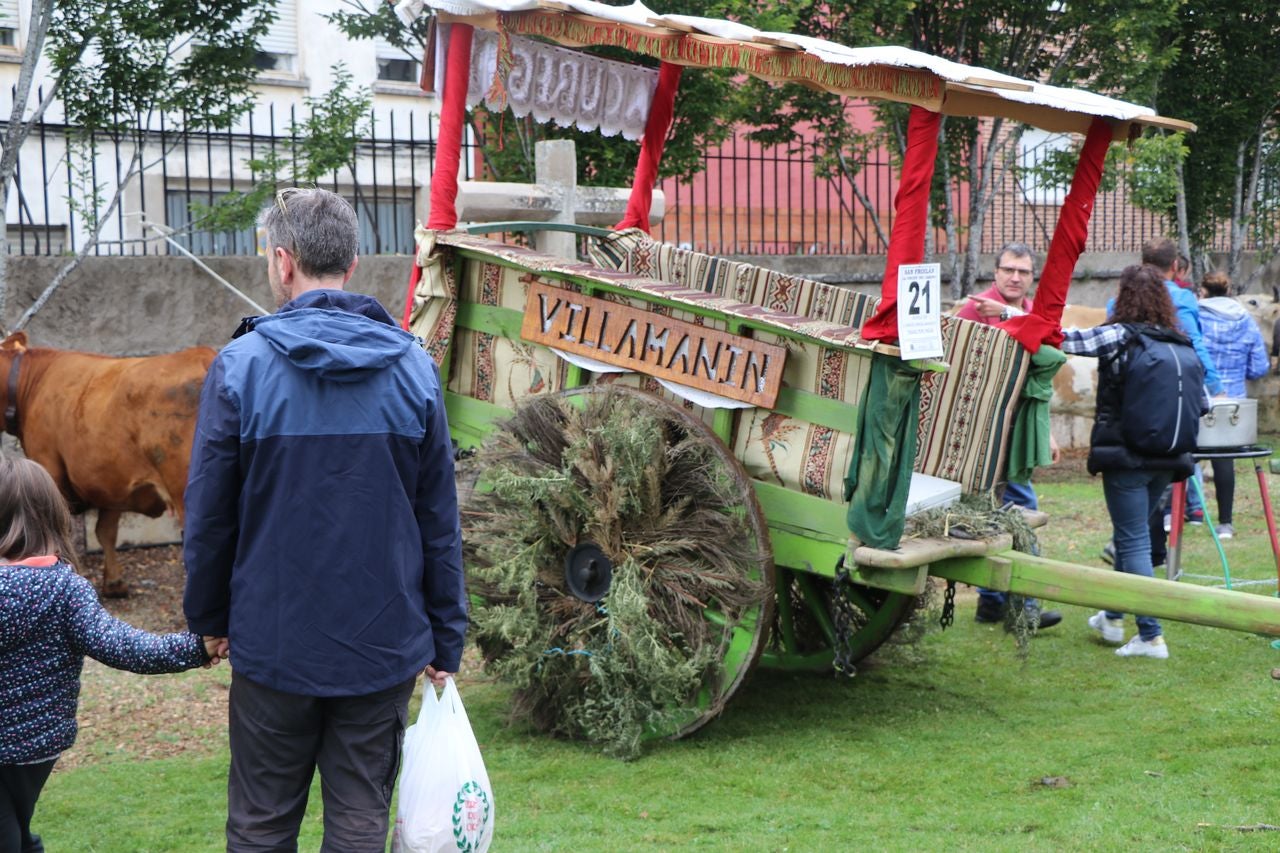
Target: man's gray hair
{"x": 1018, "y": 250}
{"x": 1161, "y": 253}
{"x": 316, "y": 226}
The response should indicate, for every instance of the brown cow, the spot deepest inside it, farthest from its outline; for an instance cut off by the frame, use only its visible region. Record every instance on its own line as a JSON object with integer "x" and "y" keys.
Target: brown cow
{"x": 115, "y": 433}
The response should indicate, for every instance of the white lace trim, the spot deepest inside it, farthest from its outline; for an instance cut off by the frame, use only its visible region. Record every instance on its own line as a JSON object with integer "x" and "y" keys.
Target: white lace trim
{"x": 570, "y": 88}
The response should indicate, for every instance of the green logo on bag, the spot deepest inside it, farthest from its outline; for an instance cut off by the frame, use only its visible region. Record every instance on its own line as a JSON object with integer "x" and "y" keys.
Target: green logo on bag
{"x": 470, "y": 816}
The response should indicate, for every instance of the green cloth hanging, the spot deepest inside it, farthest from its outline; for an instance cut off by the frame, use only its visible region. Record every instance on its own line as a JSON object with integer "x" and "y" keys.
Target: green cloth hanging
{"x": 884, "y": 452}
{"x": 1029, "y": 442}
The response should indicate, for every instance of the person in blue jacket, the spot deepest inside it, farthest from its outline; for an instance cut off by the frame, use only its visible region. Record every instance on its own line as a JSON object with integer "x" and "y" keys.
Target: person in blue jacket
{"x": 322, "y": 537}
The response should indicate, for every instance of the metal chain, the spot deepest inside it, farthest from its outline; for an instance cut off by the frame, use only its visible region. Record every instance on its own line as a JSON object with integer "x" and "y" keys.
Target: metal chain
{"x": 842, "y": 617}
{"x": 948, "y": 616}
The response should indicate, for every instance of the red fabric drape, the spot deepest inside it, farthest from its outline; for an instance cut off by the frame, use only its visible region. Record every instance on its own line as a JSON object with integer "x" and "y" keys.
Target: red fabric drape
{"x": 1044, "y": 324}
{"x": 443, "y": 213}
{"x": 911, "y": 215}
{"x": 415, "y": 276}
{"x": 655, "y": 137}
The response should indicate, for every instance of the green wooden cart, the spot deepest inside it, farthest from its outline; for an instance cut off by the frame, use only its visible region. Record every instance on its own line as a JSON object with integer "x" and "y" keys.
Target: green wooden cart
{"x": 769, "y": 377}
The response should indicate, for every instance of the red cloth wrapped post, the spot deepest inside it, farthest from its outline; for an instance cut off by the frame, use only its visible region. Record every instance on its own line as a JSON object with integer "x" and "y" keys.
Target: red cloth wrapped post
{"x": 1044, "y": 324}
{"x": 443, "y": 213}
{"x": 911, "y": 217}
{"x": 661, "y": 112}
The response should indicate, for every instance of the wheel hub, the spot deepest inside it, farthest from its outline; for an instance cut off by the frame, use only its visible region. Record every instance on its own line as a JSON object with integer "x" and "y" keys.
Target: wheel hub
{"x": 588, "y": 572}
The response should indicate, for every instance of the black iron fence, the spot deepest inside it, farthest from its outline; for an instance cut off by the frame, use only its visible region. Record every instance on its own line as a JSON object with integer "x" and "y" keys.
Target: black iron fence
{"x": 757, "y": 200}
{"x": 749, "y": 199}
{"x": 168, "y": 178}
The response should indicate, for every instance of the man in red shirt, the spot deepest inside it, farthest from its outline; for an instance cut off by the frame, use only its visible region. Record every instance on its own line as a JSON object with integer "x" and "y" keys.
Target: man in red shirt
{"x": 1015, "y": 273}
{"x": 1182, "y": 273}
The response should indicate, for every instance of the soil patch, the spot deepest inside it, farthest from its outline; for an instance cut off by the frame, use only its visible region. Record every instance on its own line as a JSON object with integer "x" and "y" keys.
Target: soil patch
{"x": 126, "y": 717}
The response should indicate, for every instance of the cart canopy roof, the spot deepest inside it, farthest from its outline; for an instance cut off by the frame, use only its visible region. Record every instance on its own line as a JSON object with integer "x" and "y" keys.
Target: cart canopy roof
{"x": 886, "y": 73}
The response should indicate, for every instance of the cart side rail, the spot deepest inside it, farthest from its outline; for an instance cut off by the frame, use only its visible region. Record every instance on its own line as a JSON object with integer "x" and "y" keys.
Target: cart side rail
{"x": 966, "y": 414}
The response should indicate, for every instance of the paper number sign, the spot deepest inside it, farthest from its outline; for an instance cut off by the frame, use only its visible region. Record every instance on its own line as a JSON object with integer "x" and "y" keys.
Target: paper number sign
{"x": 919, "y": 310}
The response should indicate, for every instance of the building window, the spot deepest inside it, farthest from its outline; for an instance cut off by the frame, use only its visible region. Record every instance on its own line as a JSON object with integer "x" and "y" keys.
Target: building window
{"x": 386, "y": 227}
{"x": 398, "y": 70}
{"x": 396, "y": 65}
{"x": 278, "y": 47}
{"x": 1036, "y": 149}
{"x": 178, "y": 216}
{"x": 9, "y": 21}
{"x": 266, "y": 61}
{"x": 28, "y": 239}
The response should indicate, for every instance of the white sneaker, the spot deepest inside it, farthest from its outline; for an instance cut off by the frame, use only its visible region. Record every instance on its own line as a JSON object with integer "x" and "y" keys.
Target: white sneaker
{"x": 1140, "y": 648}
{"x": 1112, "y": 630}
{"x": 1226, "y": 531}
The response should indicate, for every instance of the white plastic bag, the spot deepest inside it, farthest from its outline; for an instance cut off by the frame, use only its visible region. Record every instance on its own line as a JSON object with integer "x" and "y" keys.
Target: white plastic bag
{"x": 446, "y": 803}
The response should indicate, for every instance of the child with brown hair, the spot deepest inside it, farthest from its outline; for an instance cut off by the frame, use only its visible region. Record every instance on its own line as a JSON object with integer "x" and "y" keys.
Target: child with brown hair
{"x": 50, "y": 619}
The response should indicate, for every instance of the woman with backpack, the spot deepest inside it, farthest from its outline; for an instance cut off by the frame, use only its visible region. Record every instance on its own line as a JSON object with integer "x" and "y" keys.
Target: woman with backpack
{"x": 1238, "y": 351}
{"x": 1150, "y": 398}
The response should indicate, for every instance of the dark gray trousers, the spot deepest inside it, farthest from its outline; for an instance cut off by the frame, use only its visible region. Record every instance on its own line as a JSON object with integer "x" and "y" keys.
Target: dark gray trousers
{"x": 20, "y": 786}
{"x": 278, "y": 740}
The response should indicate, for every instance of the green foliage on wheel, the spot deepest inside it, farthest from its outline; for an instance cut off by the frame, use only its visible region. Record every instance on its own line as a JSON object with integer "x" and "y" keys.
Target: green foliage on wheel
{"x": 619, "y": 572}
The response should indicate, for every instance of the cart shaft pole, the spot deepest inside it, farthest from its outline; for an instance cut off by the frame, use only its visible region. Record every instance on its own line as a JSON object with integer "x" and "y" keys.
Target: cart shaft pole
{"x": 1111, "y": 590}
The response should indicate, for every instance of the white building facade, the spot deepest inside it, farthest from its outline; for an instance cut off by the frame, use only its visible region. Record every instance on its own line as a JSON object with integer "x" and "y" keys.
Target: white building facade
{"x": 53, "y": 187}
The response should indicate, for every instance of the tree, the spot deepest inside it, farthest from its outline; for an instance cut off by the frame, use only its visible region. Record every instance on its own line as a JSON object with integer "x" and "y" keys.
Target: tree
{"x": 326, "y": 141}
{"x": 705, "y": 110}
{"x": 1226, "y": 79}
{"x": 115, "y": 65}
{"x": 1110, "y": 45}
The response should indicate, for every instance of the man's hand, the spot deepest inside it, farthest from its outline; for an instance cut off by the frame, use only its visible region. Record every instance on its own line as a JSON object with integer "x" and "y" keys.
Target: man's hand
{"x": 217, "y": 648}
{"x": 992, "y": 308}
{"x": 1055, "y": 452}
{"x": 437, "y": 676}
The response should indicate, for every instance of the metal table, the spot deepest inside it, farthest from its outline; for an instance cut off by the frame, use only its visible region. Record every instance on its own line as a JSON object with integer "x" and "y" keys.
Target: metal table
{"x": 1256, "y": 452}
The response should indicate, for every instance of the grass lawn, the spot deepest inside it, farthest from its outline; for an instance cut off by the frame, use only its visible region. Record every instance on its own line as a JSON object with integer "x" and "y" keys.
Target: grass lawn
{"x": 954, "y": 744}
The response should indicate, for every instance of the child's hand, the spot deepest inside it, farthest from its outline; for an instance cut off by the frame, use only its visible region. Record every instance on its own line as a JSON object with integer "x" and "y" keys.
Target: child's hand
{"x": 217, "y": 648}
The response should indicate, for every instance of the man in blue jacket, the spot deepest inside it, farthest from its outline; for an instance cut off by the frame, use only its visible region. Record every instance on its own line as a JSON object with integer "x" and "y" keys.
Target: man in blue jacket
{"x": 322, "y": 538}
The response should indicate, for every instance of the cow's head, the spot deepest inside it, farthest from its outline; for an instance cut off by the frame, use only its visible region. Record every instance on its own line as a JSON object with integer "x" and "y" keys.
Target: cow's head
{"x": 17, "y": 342}
{"x": 1265, "y": 312}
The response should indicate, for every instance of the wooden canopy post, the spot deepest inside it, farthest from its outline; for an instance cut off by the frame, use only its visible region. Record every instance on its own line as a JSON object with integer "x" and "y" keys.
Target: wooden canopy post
{"x": 1044, "y": 324}
{"x": 910, "y": 219}
{"x": 661, "y": 113}
{"x": 443, "y": 213}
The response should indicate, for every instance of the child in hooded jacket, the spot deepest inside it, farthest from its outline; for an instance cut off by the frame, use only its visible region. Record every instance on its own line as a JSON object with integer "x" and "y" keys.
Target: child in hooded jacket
{"x": 50, "y": 619}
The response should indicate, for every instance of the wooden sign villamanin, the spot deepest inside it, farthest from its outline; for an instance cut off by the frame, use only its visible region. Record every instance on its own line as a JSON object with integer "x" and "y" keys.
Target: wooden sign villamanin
{"x": 732, "y": 366}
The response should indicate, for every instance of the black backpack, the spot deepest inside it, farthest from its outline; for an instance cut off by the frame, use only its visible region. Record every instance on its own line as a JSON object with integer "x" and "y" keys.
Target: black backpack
{"x": 1163, "y": 392}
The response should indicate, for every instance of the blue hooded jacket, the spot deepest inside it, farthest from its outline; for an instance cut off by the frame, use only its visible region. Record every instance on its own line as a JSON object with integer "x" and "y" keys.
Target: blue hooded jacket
{"x": 322, "y": 532}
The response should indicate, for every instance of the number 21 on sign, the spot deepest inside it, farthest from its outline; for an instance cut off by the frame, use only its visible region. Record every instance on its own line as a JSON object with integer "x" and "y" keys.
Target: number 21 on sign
{"x": 919, "y": 310}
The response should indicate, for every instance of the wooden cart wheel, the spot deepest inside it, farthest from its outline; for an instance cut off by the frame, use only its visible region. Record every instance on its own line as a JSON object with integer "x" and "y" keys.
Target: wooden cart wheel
{"x": 814, "y": 631}
{"x": 619, "y": 565}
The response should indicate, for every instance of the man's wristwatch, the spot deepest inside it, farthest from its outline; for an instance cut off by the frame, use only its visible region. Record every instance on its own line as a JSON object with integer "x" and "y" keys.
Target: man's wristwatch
{"x": 1005, "y": 314}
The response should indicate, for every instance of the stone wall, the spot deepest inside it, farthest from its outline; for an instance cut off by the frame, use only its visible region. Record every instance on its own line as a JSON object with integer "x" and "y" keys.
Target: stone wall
{"x": 148, "y": 305}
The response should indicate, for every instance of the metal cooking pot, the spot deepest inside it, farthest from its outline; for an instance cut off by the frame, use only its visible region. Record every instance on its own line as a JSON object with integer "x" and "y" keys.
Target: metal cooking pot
{"x": 1231, "y": 422}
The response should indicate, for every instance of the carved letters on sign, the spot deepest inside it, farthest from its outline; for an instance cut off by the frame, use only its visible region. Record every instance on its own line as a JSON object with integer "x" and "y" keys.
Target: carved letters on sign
{"x": 729, "y": 365}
